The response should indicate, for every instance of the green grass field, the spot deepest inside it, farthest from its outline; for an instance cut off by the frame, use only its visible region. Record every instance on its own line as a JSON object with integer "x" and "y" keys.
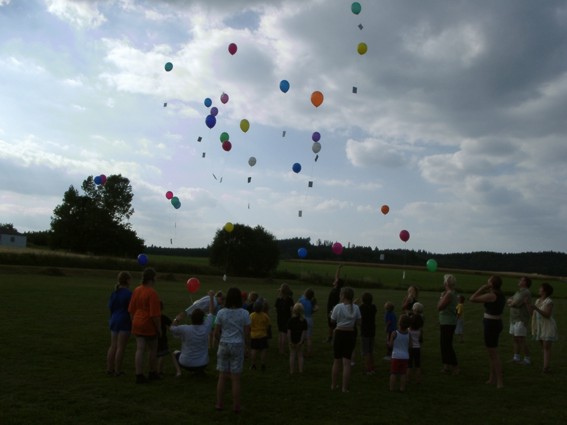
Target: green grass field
{"x": 55, "y": 339}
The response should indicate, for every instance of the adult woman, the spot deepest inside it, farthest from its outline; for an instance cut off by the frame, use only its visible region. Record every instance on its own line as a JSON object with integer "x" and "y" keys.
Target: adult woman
{"x": 409, "y": 300}
{"x": 120, "y": 324}
{"x": 194, "y": 354}
{"x": 284, "y": 304}
{"x": 544, "y": 328}
{"x": 447, "y": 323}
{"x": 333, "y": 299}
{"x": 494, "y": 301}
{"x": 233, "y": 328}
{"x": 346, "y": 315}
{"x": 145, "y": 312}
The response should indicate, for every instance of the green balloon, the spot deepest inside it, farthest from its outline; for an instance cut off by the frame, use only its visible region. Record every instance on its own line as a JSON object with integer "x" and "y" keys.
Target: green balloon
{"x": 431, "y": 265}
{"x": 356, "y": 8}
{"x": 224, "y": 136}
{"x": 168, "y": 66}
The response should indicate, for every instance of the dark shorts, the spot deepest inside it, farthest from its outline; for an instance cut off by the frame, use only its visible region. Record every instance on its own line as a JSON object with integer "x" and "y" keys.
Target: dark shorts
{"x": 259, "y": 343}
{"x": 367, "y": 345}
{"x": 190, "y": 369}
{"x": 282, "y": 326}
{"x": 492, "y": 330}
{"x": 343, "y": 344}
{"x": 415, "y": 357}
{"x": 332, "y": 324}
{"x": 398, "y": 367}
{"x": 148, "y": 338}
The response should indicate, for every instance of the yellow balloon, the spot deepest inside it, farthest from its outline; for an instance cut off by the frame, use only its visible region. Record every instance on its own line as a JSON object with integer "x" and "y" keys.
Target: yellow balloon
{"x": 229, "y": 227}
{"x": 244, "y": 125}
{"x": 362, "y": 48}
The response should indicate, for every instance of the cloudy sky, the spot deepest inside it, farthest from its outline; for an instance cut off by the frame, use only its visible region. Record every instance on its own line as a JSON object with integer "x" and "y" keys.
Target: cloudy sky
{"x": 459, "y": 122}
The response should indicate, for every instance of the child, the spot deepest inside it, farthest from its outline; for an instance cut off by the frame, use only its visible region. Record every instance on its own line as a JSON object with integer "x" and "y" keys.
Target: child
{"x": 120, "y": 324}
{"x": 544, "y": 328}
{"x": 284, "y": 304}
{"x": 416, "y": 341}
{"x": 400, "y": 344}
{"x": 259, "y": 325}
{"x": 409, "y": 300}
{"x": 296, "y": 335}
{"x": 460, "y": 329}
{"x": 368, "y": 331}
{"x": 163, "y": 346}
{"x": 310, "y": 306}
{"x": 391, "y": 325}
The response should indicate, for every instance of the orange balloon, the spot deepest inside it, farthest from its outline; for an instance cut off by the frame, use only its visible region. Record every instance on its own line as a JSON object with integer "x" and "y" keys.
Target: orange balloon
{"x": 317, "y": 98}
{"x": 385, "y": 209}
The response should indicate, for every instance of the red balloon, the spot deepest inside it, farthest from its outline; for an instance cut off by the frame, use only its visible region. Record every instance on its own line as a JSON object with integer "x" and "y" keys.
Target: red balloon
{"x": 385, "y": 209}
{"x": 169, "y": 194}
{"x": 224, "y": 98}
{"x": 193, "y": 285}
{"x": 337, "y": 248}
{"x": 232, "y": 48}
{"x": 404, "y": 235}
{"x": 227, "y": 146}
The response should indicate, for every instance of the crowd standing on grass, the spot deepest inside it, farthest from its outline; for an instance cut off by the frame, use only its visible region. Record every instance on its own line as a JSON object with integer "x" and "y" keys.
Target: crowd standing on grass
{"x": 239, "y": 326}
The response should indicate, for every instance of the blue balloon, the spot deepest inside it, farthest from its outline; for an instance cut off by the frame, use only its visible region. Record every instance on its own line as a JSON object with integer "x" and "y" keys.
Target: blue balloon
{"x": 296, "y": 167}
{"x": 302, "y": 252}
{"x": 208, "y": 102}
{"x": 284, "y": 85}
{"x": 98, "y": 180}
{"x": 214, "y": 111}
{"x": 142, "y": 259}
{"x": 211, "y": 121}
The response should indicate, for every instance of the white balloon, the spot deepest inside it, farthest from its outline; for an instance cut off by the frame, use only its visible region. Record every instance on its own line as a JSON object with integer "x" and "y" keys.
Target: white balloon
{"x": 252, "y": 161}
{"x": 316, "y": 147}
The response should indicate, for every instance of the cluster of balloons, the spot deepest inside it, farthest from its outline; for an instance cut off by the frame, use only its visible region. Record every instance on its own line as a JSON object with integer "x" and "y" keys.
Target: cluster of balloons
{"x": 143, "y": 259}
{"x": 316, "y": 148}
{"x": 193, "y": 285}
{"x": 100, "y": 180}
{"x": 173, "y": 199}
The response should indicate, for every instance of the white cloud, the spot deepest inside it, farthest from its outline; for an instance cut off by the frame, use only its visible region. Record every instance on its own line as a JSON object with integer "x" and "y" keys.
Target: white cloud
{"x": 79, "y": 13}
{"x": 4, "y": 2}
{"x": 376, "y": 153}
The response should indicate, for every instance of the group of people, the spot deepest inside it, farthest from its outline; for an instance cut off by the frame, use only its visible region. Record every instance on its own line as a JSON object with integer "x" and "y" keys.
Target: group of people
{"x": 238, "y": 325}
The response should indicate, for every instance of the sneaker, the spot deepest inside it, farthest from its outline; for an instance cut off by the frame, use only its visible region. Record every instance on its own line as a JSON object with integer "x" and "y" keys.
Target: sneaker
{"x": 352, "y": 364}
{"x": 141, "y": 379}
{"x": 526, "y": 362}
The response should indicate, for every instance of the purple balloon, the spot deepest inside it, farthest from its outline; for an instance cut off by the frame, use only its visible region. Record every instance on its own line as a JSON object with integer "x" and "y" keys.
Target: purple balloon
{"x": 214, "y": 111}
{"x": 316, "y": 136}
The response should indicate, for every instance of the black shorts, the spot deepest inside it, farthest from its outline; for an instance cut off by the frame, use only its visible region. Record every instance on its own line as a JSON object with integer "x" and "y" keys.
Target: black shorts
{"x": 492, "y": 330}
{"x": 282, "y": 326}
{"x": 415, "y": 357}
{"x": 190, "y": 368}
{"x": 259, "y": 343}
{"x": 343, "y": 344}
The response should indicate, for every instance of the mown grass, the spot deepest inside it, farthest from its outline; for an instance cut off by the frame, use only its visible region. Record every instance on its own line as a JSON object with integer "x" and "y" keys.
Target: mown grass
{"x": 55, "y": 340}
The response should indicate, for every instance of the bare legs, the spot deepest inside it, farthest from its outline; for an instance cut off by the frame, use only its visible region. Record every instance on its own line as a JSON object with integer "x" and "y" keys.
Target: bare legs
{"x": 546, "y": 345}
{"x": 115, "y": 355}
{"x": 235, "y": 378}
{"x": 346, "y": 373}
{"x": 495, "y": 376}
{"x": 143, "y": 344}
{"x": 281, "y": 342}
{"x": 295, "y": 351}
{"x": 394, "y": 379}
{"x": 521, "y": 345}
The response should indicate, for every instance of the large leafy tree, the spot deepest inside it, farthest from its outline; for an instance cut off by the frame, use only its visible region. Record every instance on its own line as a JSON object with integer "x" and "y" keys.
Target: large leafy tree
{"x": 245, "y": 251}
{"x": 97, "y": 221}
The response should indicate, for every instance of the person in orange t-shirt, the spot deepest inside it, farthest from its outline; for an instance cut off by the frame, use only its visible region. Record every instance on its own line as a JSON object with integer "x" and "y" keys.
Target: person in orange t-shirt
{"x": 145, "y": 312}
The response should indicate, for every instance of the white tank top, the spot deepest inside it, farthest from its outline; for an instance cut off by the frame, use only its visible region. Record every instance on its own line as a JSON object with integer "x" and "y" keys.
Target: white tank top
{"x": 401, "y": 346}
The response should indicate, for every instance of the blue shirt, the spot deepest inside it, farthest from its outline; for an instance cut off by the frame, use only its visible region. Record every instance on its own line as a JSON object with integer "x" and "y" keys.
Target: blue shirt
{"x": 307, "y": 306}
{"x": 118, "y": 306}
{"x": 390, "y": 316}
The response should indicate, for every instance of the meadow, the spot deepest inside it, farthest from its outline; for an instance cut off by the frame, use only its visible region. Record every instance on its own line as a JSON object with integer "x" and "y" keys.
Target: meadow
{"x": 55, "y": 340}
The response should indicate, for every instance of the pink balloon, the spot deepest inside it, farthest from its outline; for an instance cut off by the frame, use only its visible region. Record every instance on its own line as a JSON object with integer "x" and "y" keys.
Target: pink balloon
{"x": 102, "y": 179}
{"x": 232, "y": 48}
{"x": 404, "y": 235}
{"x": 337, "y": 248}
{"x": 224, "y": 98}
{"x": 169, "y": 194}
{"x": 193, "y": 285}
{"x": 227, "y": 146}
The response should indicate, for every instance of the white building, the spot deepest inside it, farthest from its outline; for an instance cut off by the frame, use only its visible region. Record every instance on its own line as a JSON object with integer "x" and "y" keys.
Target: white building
{"x": 14, "y": 241}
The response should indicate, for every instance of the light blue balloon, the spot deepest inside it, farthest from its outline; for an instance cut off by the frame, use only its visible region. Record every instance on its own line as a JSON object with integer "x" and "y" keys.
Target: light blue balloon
{"x": 284, "y": 86}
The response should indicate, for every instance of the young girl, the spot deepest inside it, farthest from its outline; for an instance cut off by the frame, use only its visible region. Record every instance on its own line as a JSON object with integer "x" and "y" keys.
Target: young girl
{"x": 409, "y": 300}
{"x": 390, "y": 325}
{"x": 544, "y": 327}
{"x": 416, "y": 340}
{"x": 284, "y": 304}
{"x": 460, "y": 329}
{"x": 259, "y": 325}
{"x": 233, "y": 327}
{"x": 296, "y": 334}
{"x": 309, "y": 307}
{"x": 120, "y": 324}
{"x": 400, "y": 343}
{"x": 368, "y": 331}
{"x": 346, "y": 315}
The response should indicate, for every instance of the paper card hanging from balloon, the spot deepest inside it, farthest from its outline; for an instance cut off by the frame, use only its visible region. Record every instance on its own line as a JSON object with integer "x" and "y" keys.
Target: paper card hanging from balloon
{"x": 199, "y": 139}
{"x": 300, "y": 213}
{"x": 310, "y": 184}
{"x": 316, "y": 158}
{"x": 354, "y": 89}
{"x": 360, "y": 26}
{"x": 164, "y": 104}
{"x": 215, "y": 176}
{"x": 283, "y": 133}
{"x": 249, "y": 179}
{"x": 248, "y": 205}
{"x": 204, "y": 154}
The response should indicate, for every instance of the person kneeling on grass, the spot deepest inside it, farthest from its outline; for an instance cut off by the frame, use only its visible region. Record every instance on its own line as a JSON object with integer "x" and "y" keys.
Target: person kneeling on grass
{"x": 194, "y": 354}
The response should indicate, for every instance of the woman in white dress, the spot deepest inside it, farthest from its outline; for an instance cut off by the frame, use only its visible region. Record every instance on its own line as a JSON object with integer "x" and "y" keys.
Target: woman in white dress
{"x": 544, "y": 328}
